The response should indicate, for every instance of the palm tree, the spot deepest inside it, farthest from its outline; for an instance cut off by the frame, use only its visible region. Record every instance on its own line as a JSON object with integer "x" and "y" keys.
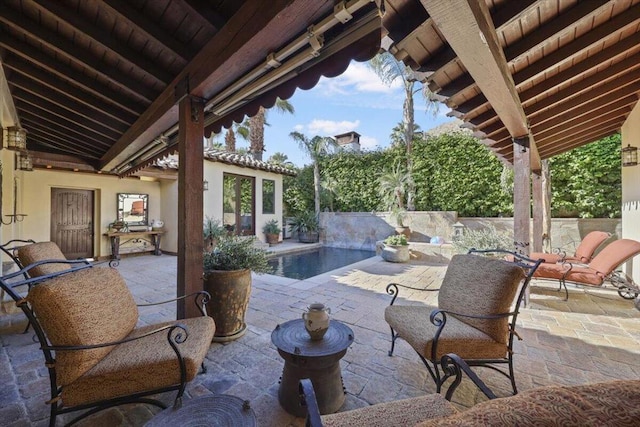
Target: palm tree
{"x": 230, "y": 140}
{"x": 280, "y": 159}
{"x": 257, "y": 124}
{"x": 393, "y": 187}
{"x": 389, "y": 69}
{"x": 315, "y": 147}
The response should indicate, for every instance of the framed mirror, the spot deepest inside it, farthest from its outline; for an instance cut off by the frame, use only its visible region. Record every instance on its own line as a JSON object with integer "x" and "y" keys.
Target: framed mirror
{"x": 133, "y": 209}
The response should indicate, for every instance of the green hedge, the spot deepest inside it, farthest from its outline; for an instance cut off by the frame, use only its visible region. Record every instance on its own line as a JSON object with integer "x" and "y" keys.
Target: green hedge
{"x": 454, "y": 172}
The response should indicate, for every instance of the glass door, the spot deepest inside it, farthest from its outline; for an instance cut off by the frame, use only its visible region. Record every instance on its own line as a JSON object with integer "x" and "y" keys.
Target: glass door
{"x": 239, "y": 204}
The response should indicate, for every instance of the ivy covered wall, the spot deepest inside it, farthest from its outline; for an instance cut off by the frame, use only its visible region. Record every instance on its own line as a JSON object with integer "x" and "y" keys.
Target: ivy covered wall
{"x": 455, "y": 172}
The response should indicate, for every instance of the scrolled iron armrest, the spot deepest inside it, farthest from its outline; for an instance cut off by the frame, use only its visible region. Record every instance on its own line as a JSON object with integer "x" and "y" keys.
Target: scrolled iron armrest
{"x": 201, "y": 300}
{"x": 308, "y": 400}
{"x": 392, "y": 289}
{"x": 178, "y": 338}
{"x": 453, "y": 366}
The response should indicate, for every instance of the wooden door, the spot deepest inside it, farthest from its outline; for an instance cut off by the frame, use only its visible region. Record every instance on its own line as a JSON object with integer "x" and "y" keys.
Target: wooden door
{"x": 72, "y": 221}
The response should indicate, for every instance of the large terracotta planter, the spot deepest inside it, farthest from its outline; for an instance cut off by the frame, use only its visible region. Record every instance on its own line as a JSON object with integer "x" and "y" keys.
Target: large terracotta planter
{"x": 272, "y": 238}
{"x": 230, "y": 292}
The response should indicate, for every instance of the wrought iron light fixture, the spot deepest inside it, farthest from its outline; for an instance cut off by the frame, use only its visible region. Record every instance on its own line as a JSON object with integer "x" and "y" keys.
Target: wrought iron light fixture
{"x": 629, "y": 156}
{"x": 205, "y": 185}
{"x": 16, "y": 138}
{"x": 24, "y": 161}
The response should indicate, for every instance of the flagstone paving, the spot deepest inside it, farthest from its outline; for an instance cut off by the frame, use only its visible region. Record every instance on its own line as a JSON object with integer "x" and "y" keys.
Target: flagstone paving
{"x": 593, "y": 336}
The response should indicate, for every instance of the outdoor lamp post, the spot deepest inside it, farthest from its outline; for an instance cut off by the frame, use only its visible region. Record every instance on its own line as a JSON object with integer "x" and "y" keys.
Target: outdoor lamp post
{"x": 458, "y": 230}
{"x": 629, "y": 156}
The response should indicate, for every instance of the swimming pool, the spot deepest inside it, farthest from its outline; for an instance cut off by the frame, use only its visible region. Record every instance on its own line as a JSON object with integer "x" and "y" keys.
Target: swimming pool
{"x": 302, "y": 265}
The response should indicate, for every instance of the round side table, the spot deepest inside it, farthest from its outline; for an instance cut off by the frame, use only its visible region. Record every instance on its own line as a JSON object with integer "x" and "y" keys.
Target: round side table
{"x": 317, "y": 360}
{"x": 217, "y": 410}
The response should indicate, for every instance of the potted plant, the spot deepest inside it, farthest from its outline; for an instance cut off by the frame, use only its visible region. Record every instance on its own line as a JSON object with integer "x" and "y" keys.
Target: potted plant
{"x": 272, "y": 230}
{"x": 396, "y": 249}
{"x": 227, "y": 277}
{"x": 399, "y": 215}
{"x": 307, "y": 225}
{"x": 212, "y": 230}
{"x": 392, "y": 189}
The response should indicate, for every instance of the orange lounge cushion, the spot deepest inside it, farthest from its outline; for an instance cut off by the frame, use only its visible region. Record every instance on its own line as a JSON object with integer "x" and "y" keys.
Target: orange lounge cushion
{"x": 142, "y": 365}
{"x": 548, "y": 258}
{"x": 90, "y": 306}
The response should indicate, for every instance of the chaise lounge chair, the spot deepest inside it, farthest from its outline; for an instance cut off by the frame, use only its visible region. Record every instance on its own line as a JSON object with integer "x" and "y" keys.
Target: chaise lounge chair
{"x": 583, "y": 254}
{"x": 601, "y": 269}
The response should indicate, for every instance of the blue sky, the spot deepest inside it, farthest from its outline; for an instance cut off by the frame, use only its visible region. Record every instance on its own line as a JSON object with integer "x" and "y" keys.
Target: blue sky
{"x": 354, "y": 101}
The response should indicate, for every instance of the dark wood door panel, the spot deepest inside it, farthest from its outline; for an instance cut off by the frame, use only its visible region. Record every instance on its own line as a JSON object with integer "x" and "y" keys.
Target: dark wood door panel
{"x": 72, "y": 221}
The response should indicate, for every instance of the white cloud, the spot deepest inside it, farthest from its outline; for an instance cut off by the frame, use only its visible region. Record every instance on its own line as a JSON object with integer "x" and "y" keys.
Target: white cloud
{"x": 298, "y": 128}
{"x": 368, "y": 142}
{"x": 331, "y": 127}
{"x": 357, "y": 78}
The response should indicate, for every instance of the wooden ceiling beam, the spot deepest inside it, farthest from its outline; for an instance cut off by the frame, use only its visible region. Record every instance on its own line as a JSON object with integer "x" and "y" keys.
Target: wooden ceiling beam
{"x": 70, "y": 75}
{"x": 43, "y": 137}
{"x": 53, "y": 98}
{"x": 25, "y": 72}
{"x": 38, "y": 114}
{"x": 209, "y": 15}
{"x": 205, "y": 71}
{"x": 100, "y": 37}
{"x": 468, "y": 29}
{"x": 606, "y": 93}
{"x": 574, "y": 118}
{"x": 563, "y": 54}
{"x": 560, "y": 147}
{"x": 68, "y": 50}
{"x": 61, "y": 161}
{"x": 587, "y": 40}
{"x": 572, "y": 136}
{"x": 594, "y": 118}
{"x": 535, "y": 39}
{"x": 623, "y": 72}
{"x": 68, "y": 115}
{"x": 47, "y": 128}
{"x": 122, "y": 11}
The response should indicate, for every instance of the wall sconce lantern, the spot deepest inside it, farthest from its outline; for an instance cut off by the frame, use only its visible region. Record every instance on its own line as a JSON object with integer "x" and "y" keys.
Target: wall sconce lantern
{"x": 24, "y": 161}
{"x": 205, "y": 185}
{"x": 458, "y": 231}
{"x": 629, "y": 156}
{"x": 16, "y": 138}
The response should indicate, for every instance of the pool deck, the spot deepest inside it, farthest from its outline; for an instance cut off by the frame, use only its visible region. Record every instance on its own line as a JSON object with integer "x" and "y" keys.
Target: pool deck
{"x": 594, "y": 336}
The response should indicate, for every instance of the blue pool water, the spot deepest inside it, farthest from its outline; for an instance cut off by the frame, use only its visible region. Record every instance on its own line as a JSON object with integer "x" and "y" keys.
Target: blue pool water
{"x": 302, "y": 265}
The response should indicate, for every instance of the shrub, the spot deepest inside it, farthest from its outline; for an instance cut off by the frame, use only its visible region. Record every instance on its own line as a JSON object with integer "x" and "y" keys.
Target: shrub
{"x": 485, "y": 238}
{"x": 396, "y": 240}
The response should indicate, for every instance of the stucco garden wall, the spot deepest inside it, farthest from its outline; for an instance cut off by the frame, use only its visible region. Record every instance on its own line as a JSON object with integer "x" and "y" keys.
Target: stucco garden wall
{"x": 35, "y": 201}
{"x": 361, "y": 230}
{"x": 631, "y": 189}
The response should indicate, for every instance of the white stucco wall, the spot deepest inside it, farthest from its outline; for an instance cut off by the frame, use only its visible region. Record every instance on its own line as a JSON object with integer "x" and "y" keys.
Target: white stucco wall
{"x": 631, "y": 190}
{"x": 35, "y": 201}
{"x": 214, "y": 172}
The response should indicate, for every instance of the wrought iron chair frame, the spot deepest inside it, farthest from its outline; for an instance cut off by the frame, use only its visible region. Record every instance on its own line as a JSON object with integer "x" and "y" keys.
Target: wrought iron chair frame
{"x": 176, "y": 333}
{"x": 438, "y": 318}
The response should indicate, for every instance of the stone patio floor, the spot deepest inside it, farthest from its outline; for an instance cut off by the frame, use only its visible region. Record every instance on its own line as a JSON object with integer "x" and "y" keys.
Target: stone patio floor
{"x": 594, "y": 336}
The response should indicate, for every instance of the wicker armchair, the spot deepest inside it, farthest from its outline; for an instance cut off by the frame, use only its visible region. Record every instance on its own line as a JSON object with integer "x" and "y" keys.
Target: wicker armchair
{"x": 474, "y": 317}
{"x": 85, "y": 319}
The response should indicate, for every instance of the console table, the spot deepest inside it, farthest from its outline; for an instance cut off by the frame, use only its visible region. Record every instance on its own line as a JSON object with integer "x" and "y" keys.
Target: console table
{"x": 317, "y": 360}
{"x": 119, "y": 238}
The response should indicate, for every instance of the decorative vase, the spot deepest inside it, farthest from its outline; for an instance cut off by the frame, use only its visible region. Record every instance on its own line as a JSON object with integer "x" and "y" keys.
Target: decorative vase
{"x": 230, "y": 292}
{"x": 316, "y": 320}
{"x": 157, "y": 224}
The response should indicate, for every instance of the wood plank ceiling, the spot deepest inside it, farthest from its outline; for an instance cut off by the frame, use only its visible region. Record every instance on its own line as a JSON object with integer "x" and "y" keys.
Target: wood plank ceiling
{"x": 95, "y": 83}
{"x": 574, "y": 65}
